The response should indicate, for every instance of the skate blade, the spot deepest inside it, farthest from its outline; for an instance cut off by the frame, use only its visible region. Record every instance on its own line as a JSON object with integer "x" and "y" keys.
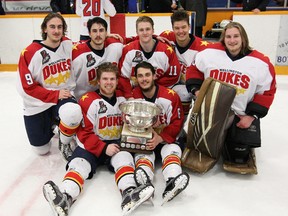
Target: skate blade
{"x": 47, "y": 191}
{"x": 151, "y": 201}
{"x": 171, "y": 194}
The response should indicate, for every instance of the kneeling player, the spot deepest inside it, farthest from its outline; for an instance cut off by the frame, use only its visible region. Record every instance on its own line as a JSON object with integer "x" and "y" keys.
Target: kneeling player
{"x": 234, "y": 62}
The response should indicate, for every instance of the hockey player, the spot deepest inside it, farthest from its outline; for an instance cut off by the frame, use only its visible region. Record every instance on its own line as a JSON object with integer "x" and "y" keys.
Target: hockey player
{"x": 98, "y": 140}
{"x": 186, "y": 47}
{"x": 159, "y": 54}
{"x": 234, "y": 62}
{"x": 89, "y": 9}
{"x": 165, "y": 134}
{"x": 87, "y": 56}
{"x": 46, "y": 83}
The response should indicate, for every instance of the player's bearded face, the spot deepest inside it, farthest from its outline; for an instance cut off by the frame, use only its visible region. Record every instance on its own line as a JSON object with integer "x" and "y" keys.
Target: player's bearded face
{"x": 107, "y": 83}
{"x": 54, "y": 30}
{"x": 145, "y": 79}
{"x": 233, "y": 41}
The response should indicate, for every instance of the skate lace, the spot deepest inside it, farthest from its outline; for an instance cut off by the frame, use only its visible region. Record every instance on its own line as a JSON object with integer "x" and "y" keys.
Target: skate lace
{"x": 66, "y": 150}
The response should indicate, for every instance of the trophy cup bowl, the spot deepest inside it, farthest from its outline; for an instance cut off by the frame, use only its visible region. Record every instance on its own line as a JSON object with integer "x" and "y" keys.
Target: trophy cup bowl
{"x": 139, "y": 115}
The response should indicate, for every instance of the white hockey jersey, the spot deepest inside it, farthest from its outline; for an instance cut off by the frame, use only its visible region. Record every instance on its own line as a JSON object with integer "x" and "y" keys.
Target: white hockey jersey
{"x": 101, "y": 121}
{"x": 85, "y": 62}
{"x": 42, "y": 72}
{"x": 253, "y": 75}
{"x": 185, "y": 55}
{"x": 163, "y": 59}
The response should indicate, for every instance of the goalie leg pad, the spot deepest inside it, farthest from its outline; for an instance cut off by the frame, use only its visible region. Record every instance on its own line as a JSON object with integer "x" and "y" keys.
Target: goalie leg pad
{"x": 207, "y": 125}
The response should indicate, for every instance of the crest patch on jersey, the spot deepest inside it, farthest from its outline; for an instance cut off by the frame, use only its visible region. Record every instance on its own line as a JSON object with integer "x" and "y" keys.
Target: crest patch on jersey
{"x": 138, "y": 57}
{"x": 90, "y": 60}
{"x": 103, "y": 107}
{"x": 45, "y": 56}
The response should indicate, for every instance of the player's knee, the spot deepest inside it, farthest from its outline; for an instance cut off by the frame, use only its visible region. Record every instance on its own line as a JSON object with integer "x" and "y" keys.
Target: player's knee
{"x": 141, "y": 159}
{"x": 121, "y": 159}
{"x": 170, "y": 149}
{"x": 70, "y": 115}
{"x": 81, "y": 166}
{"x": 123, "y": 156}
{"x": 42, "y": 150}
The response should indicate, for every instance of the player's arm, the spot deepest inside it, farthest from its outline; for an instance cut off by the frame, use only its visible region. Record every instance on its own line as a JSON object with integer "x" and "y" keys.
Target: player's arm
{"x": 85, "y": 134}
{"x": 168, "y": 36}
{"x": 265, "y": 91}
{"x": 175, "y": 67}
{"x": 171, "y": 131}
{"x": 125, "y": 87}
{"x": 194, "y": 79}
{"x": 109, "y": 8}
{"x": 31, "y": 87}
{"x": 79, "y": 10}
{"x": 125, "y": 69}
{"x": 172, "y": 74}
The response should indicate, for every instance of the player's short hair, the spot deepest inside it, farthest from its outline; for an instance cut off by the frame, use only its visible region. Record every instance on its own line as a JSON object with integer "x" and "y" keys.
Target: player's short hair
{"x": 106, "y": 67}
{"x": 145, "y": 19}
{"x": 245, "y": 41}
{"x": 179, "y": 15}
{"x": 47, "y": 19}
{"x": 146, "y": 65}
{"x": 97, "y": 20}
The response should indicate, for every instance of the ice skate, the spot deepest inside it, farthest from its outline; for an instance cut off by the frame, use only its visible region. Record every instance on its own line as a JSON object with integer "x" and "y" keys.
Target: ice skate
{"x": 134, "y": 197}
{"x": 248, "y": 167}
{"x": 141, "y": 177}
{"x": 59, "y": 202}
{"x": 65, "y": 150}
{"x": 174, "y": 186}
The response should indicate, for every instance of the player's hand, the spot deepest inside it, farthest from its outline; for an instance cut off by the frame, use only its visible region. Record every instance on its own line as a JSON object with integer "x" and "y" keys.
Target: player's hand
{"x": 245, "y": 121}
{"x": 116, "y": 36}
{"x": 174, "y": 6}
{"x": 164, "y": 40}
{"x": 157, "y": 123}
{"x": 64, "y": 94}
{"x": 256, "y": 11}
{"x": 112, "y": 149}
{"x": 152, "y": 143}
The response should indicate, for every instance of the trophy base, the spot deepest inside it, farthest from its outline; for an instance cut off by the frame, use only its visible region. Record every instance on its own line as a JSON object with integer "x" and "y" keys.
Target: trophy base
{"x": 135, "y": 142}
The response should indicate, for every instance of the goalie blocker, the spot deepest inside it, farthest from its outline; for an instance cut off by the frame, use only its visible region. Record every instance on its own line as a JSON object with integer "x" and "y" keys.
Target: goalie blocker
{"x": 207, "y": 126}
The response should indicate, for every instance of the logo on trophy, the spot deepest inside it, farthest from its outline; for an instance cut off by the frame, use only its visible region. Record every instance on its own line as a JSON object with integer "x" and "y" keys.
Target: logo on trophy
{"x": 138, "y": 118}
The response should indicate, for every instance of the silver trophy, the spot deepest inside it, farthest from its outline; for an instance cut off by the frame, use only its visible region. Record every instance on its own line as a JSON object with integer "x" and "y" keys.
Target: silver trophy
{"x": 138, "y": 118}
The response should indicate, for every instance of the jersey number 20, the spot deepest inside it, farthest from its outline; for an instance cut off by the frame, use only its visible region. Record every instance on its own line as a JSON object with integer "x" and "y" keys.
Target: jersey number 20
{"x": 92, "y": 7}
